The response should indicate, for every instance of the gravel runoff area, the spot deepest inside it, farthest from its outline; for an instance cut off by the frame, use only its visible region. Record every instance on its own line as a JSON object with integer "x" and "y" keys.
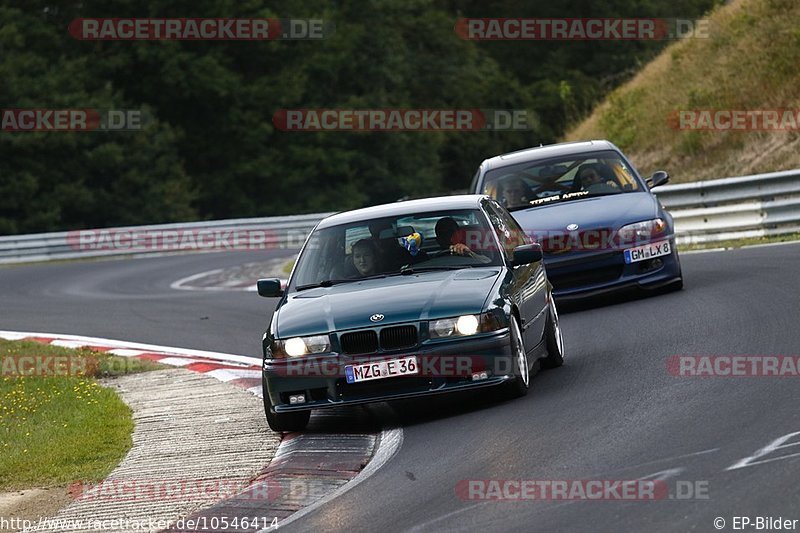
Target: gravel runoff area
{"x": 196, "y": 441}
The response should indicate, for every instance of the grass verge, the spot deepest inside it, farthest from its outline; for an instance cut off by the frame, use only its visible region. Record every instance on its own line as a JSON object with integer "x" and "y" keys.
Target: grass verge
{"x": 57, "y": 423}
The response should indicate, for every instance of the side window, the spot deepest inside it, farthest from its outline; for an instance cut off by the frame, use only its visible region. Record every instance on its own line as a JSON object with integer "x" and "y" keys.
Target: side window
{"x": 504, "y": 233}
{"x": 519, "y": 237}
{"x": 624, "y": 175}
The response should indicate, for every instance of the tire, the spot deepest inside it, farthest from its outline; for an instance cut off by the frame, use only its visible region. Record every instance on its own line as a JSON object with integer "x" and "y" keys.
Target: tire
{"x": 553, "y": 339}
{"x": 674, "y": 287}
{"x": 520, "y": 385}
{"x": 678, "y": 284}
{"x": 284, "y": 422}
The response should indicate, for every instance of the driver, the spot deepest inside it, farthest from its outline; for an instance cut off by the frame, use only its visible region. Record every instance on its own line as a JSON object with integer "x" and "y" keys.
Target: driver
{"x": 450, "y": 239}
{"x": 593, "y": 177}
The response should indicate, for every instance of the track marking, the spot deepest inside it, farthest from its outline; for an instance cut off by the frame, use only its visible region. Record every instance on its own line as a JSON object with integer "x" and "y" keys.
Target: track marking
{"x": 777, "y": 444}
{"x": 391, "y": 439}
{"x": 110, "y": 343}
{"x": 236, "y": 368}
{"x": 180, "y": 285}
{"x": 657, "y": 461}
{"x": 185, "y": 284}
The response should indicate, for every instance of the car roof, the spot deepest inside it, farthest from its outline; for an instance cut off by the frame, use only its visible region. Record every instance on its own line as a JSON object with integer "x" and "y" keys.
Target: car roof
{"x": 442, "y": 203}
{"x": 546, "y": 152}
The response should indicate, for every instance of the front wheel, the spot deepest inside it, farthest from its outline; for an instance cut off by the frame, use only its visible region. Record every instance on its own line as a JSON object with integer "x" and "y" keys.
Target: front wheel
{"x": 519, "y": 386}
{"x": 284, "y": 422}
{"x": 553, "y": 339}
{"x": 677, "y": 285}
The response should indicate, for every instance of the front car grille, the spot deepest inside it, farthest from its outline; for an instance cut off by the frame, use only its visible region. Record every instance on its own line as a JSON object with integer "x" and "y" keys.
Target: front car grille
{"x": 589, "y": 276}
{"x": 589, "y": 240}
{"x": 391, "y": 338}
{"x": 398, "y": 338}
{"x": 359, "y": 342}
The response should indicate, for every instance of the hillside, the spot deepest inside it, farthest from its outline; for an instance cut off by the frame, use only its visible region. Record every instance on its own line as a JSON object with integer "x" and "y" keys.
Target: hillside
{"x": 748, "y": 63}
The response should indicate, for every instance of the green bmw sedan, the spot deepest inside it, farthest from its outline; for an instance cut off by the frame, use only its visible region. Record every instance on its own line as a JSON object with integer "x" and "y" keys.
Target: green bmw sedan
{"x": 408, "y": 299}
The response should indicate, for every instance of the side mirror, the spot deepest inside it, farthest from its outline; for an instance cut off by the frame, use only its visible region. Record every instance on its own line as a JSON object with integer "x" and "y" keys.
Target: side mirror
{"x": 527, "y": 253}
{"x": 269, "y": 288}
{"x": 658, "y": 178}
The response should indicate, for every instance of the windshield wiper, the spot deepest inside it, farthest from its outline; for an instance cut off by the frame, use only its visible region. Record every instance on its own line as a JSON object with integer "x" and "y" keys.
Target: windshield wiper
{"x": 325, "y": 283}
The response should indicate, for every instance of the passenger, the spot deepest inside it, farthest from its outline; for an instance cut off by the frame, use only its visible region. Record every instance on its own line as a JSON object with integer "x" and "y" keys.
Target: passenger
{"x": 365, "y": 257}
{"x": 514, "y": 192}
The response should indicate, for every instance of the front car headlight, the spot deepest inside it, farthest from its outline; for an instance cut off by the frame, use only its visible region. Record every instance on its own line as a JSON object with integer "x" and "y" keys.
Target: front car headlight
{"x": 467, "y": 325}
{"x": 300, "y": 346}
{"x": 642, "y": 231}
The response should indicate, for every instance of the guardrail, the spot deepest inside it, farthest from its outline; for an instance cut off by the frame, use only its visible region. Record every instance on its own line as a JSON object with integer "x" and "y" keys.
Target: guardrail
{"x": 705, "y": 211}
{"x": 734, "y": 208}
{"x": 210, "y": 236}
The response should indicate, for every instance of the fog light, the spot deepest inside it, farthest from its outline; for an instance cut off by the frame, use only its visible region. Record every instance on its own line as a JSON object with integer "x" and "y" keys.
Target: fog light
{"x": 297, "y": 398}
{"x": 477, "y": 376}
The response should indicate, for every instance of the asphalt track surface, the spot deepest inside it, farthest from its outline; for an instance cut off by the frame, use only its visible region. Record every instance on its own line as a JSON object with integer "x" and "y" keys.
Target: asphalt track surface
{"x": 612, "y": 412}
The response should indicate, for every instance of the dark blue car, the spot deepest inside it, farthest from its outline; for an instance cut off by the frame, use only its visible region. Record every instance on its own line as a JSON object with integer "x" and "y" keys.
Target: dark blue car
{"x": 600, "y": 227}
{"x": 414, "y": 298}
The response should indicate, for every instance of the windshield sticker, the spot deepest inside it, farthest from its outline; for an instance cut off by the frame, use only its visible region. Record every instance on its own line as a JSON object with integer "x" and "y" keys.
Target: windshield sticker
{"x": 557, "y": 197}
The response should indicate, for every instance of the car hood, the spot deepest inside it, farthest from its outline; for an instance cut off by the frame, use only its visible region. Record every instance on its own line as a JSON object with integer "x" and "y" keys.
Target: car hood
{"x": 423, "y": 296}
{"x": 613, "y": 211}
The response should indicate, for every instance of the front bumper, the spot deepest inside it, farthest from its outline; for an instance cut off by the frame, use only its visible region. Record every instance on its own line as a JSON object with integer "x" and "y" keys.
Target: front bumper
{"x": 445, "y": 366}
{"x": 584, "y": 274}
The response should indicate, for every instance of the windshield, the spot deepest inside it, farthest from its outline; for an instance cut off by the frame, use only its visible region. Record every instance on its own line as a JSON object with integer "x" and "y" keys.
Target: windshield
{"x": 394, "y": 246}
{"x": 536, "y": 183}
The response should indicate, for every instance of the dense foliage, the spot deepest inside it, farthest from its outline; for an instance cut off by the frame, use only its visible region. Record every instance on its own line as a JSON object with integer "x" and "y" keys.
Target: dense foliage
{"x": 210, "y": 149}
